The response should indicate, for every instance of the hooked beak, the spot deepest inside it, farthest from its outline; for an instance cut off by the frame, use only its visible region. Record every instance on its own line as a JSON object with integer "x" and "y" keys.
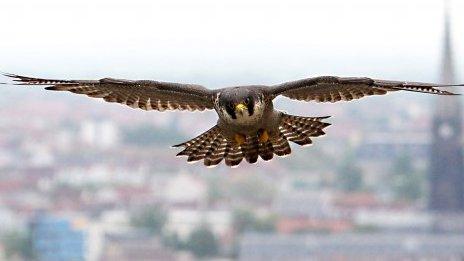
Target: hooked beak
{"x": 240, "y": 108}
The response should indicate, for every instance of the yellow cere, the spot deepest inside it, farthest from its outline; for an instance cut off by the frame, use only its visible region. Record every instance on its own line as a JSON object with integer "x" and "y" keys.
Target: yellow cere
{"x": 240, "y": 107}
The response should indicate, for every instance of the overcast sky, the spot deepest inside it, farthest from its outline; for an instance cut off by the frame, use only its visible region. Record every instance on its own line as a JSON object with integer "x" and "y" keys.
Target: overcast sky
{"x": 227, "y": 42}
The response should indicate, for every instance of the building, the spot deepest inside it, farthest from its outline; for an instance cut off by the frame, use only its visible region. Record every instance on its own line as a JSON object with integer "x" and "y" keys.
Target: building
{"x": 302, "y": 210}
{"x": 136, "y": 246}
{"x": 369, "y": 246}
{"x": 446, "y": 157}
{"x": 185, "y": 190}
{"x": 183, "y": 222}
{"x": 101, "y": 134}
{"x": 381, "y": 146}
{"x": 393, "y": 219}
{"x": 62, "y": 238}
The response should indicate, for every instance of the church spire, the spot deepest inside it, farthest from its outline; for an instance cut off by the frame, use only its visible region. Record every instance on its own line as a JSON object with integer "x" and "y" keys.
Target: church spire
{"x": 445, "y": 107}
{"x": 446, "y": 153}
{"x": 447, "y": 59}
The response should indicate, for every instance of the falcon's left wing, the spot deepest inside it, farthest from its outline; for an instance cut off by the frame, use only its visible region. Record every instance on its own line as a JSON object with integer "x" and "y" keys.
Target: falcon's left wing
{"x": 144, "y": 94}
{"x": 333, "y": 89}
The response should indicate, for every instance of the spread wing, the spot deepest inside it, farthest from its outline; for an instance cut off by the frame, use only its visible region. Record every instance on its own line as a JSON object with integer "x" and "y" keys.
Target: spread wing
{"x": 147, "y": 95}
{"x": 333, "y": 89}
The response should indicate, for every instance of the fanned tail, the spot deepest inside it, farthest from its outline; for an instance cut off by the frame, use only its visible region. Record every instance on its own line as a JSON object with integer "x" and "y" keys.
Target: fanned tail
{"x": 212, "y": 147}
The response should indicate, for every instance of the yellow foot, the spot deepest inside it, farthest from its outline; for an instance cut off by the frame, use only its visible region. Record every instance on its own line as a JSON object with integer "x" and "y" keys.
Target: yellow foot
{"x": 263, "y": 136}
{"x": 240, "y": 138}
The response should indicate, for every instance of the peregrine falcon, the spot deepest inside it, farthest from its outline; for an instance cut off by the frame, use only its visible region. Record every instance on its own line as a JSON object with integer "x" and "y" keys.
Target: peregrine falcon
{"x": 248, "y": 126}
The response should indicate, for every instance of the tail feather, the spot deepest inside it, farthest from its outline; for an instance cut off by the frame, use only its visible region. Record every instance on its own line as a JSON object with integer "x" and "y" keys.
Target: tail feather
{"x": 281, "y": 146}
{"x": 199, "y": 152}
{"x": 251, "y": 149}
{"x": 216, "y": 156}
{"x": 234, "y": 157}
{"x": 197, "y": 147}
{"x": 266, "y": 151}
{"x": 300, "y": 129}
{"x": 296, "y": 134}
{"x": 212, "y": 147}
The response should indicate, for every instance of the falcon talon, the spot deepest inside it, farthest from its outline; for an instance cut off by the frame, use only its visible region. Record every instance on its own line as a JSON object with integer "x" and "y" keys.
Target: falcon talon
{"x": 240, "y": 139}
{"x": 263, "y": 136}
{"x": 240, "y": 109}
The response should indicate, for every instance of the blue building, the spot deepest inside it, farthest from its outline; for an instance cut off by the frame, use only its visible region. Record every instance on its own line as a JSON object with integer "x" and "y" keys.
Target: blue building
{"x": 58, "y": 238}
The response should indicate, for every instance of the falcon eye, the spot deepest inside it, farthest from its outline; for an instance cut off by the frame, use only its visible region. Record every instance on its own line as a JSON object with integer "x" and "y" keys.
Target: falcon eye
{"x": 247, "y": 100}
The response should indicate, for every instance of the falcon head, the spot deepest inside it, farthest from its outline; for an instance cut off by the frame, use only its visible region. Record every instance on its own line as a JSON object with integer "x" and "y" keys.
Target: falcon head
{"x": 240, "y": 105}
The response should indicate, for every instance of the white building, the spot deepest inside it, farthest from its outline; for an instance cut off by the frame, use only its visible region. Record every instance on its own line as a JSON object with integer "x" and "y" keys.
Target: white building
{"x": 103, "y": 134}
{"x": 183, "y": 221}
{"x": 185, "y": 189}
{"x": 393, "y": 219}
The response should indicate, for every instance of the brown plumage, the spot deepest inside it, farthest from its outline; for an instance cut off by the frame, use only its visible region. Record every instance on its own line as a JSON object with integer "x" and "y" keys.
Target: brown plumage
{"x": 212, "y": 147}
{"x": 248, "y": 126}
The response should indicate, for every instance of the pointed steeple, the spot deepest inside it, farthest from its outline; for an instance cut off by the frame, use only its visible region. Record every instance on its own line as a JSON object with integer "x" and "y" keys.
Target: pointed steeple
{"x": 446, "y": 107}
{"x": 446, "y": 154}
{"x": 447, "y": 59}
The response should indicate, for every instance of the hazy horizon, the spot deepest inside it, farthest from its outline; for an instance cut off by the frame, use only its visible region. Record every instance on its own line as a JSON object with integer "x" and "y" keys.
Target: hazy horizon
{"x": 227, "y": 43}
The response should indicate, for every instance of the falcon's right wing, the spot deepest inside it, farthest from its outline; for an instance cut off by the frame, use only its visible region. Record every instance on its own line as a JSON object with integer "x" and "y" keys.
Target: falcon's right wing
{"x": 144, "y": 94}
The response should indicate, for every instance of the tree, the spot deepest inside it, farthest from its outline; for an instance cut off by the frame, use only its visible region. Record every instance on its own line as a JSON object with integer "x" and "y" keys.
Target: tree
{"x": 351, "y": 178}
{"x": 17, "y": 244}
{"x": 245, "y": 220}
{"x": 252, "y": 189}
{"x": 402, "y": 165}
{"x": 216, "y": 189}
{"x": 202, "y": 242}
{"x": 407, "y": 182}
{"x": 152, "y": 219}
{"x": 172, "y": 240}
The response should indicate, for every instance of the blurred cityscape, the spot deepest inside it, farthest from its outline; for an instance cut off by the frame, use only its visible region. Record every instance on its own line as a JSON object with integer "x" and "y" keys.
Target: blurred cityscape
{"x": 83, "y": 180}
{"x": 87, "y": 180}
